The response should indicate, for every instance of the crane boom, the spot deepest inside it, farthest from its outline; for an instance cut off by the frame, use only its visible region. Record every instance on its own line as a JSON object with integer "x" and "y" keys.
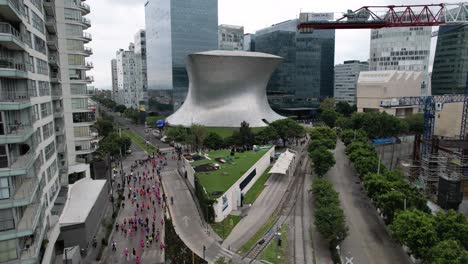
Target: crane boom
{"x": 392, "y": 16}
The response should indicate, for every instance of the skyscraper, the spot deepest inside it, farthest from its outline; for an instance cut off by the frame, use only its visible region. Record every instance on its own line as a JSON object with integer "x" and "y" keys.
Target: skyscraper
{"x": 115, "y": 87}
{"x": 346, "y": 79}
{"x": 175, "y": 29}
{"x": 306, "y": 74}
{"x": 401, "y": 49}
{"x": 451, "y": 60}
{"x": 140, "y": 50}
{"x": 129, "y": 77}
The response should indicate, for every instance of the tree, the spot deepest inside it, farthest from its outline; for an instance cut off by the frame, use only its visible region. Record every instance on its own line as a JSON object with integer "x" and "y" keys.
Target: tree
{"x": 325, "y": 142}
{"x": 448, "y": 252}
{"x": 318, "y": 133}
{"x": 390, "y": 202}
{"x": 133, "y": 114}
{"x": 323, "y": 160}
{"x": 345, "y": 108}
{"x": 329, "y": 117}
{"x": 416, "y": 230}
{"x": 287, "y": 129}
{"x": 415, "y": 123}
{"x": 452, "y": 225}
{"x": 327, "y": 104}
{"x": 199, "y": 134}
{"x": 120, "y": 108}
{"x": 350, "y": 135}
{"x": 177, "y": 134}
{"x": 266, "y": 135}
{"x": 114, "y": 145}
{"x": 246, "y": 137}
{"x": 213, "y": 141}
{"x": 104, "y": 127}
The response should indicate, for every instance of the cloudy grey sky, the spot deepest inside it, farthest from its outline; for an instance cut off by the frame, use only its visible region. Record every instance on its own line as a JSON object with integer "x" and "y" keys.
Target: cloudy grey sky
{"x": 114, "y": 23}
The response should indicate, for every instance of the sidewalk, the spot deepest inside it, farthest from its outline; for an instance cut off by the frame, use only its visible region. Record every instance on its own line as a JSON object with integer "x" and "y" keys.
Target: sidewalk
{"x": 188, "y": 224}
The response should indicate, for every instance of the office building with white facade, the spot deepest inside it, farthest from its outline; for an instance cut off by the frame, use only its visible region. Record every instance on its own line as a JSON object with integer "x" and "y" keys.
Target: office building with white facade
{"x": 129, "y": 78}
{"x": 140, "y": 50}
{"x": 115, "y": 87}
{"x": 401, "y": 49}
{"x": 231, "y": 37}
{"x": 346, "y": 79}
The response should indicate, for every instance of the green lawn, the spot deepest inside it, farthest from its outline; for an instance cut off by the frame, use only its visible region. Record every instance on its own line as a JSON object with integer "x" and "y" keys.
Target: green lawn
{"x": 257, "y": 188}
{"x": 269, "y": 254}
{"x": 221, "y": 180}
{"x": 259, "y": 234}
{"x": 224, "y": 228}
{"x": 225, "y": 132}
{"x": 140, "y": 141}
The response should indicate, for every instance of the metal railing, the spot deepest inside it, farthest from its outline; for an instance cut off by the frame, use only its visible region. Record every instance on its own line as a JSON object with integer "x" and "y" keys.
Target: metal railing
{"x": 86, "y": 35}
{"x": 17, "y": 6}
{"x": 85, "y": 6}
{"x": 17, "y": 129}
{"x": 6, "y": 28}
{"x": 9, "y": 63}
{"x": 26, "y": 190}
{"x": 89, "y": 64}
{"x": 86, "y": 21}
{"x": 14, "y": 96}
{"x": 89, "y": 78}
{"x": 21, "y": 162}
{"x": 88, "y": 50}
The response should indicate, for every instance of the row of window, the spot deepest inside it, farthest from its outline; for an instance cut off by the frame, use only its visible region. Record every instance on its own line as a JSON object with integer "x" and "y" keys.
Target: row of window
{"x": 46, "y": 110}
{"x": 48, "y": 130}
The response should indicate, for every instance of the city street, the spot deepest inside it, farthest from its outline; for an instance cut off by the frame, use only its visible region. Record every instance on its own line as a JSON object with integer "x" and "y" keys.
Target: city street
{"x": 368, "y": 241}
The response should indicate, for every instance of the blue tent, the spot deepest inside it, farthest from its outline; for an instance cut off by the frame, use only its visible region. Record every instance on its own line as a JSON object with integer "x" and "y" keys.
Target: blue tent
{"x": 160, "y": 123}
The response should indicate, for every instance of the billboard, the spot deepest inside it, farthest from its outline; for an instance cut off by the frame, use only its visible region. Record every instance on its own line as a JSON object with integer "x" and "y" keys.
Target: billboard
{"x": 307, "y": 17}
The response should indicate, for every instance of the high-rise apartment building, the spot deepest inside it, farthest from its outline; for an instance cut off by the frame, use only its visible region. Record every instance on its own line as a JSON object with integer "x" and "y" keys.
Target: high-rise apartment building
{"x": 346, "y": 79}
{"x": 401, "y": 49}
{"x": 129, "y": 78}
{"x": 175, "y": 29}
{"x": 306, "y": 74}
{"x": 140, "y": 50}
{"x": 451, "y": 60}
{"x": 115, "y": 87}
{"x": 41, "y": 44}
{"x": 231, "y": 37}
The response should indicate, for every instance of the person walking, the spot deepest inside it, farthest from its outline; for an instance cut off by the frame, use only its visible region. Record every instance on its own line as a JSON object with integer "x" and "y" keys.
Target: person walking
{"x": 126, "y": 254}
{"x": 114, "y": 246}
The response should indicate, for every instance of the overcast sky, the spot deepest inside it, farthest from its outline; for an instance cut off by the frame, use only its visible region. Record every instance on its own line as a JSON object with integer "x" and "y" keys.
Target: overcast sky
{"x": 114, "y": 23}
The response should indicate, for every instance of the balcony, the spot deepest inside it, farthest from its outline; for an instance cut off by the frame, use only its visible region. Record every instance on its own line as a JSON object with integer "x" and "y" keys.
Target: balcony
{"x": 89, "y": 65}
{"x": 60, "y": 147}
{"x": 56, "y": 95}
{"x": 30, "y": 254}
{"x": 12, "y": 10}
{"x": 14, "y": 100}
{"x": 16, "y": 134}
{"x": 85, "y": 8}
{"x": 19, "y": 165}
{"x": 10, "y": 68}
{"x": 49, "y": 7}
{"x": 24, "y": 194}
{"x": 55, "y": 77}
{"x": 59, "y": 131}
{"x": 87, "y": 37}
{"x": 51, "y": 24}
{"x": 86, "y": 21}
{"x": 88, "y": 51}
{"x": 52, "y": 42}
{"x": 11, "y": 38}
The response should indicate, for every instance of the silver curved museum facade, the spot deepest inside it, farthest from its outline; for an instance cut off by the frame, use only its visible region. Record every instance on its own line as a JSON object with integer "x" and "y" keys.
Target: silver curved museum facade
{"x": 226, "y": 88}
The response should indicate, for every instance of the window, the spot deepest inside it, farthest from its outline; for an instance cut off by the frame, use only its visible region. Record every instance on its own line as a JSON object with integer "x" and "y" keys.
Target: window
{"x": 27, "y": 39}
{"x": 38, "y": 163}
{"x": 4, "y": 188}
{"x": 7, "y": 221}
{"x": 35, "y": 113}
{"x": 46, "y": 110}
{"x": 8, "y": 250}
{"x": 74, "y": 44}
{"x": 72, "y": 14}
{"x": 79, "y": 103}
{"x": 31, "y": 64}
{"x": 51, "y": 171}
{"x": 37, "y": 22}
{"x": 76, "y": 60}
{"x": 3, "y": 157}
{"x": 44, "y": 88}
{"x": 40, "y": 45}
{"x": 42, "y": 67}
{"x": 48, "y": 130}
{"x": 50, "y": 150}
{"x": 32, "y": 91}
{"x": 37, "y": 4}
{"x": 81, "y": 131}
{"x": 26, "y": 13}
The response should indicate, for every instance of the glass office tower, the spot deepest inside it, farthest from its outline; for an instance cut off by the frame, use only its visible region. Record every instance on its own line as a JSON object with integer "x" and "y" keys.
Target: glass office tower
{"x": 307, "y": 73}
{"x": 175, "y": 29}
{"x": 451, "y": 60}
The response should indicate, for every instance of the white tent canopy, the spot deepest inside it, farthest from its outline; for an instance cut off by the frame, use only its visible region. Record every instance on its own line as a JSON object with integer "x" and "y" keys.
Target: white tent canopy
{"x": 283, "y": 163}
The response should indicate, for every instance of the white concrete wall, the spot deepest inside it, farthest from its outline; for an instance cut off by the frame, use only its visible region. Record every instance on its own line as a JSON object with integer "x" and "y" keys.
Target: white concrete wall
{"x": 233, "y": 194}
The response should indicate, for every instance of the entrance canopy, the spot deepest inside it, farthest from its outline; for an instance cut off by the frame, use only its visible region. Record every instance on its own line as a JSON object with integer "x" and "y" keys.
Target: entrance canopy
{"x": 283, "y": 163}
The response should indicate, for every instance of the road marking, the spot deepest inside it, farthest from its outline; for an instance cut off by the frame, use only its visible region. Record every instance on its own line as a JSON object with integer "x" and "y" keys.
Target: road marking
{"x": 349, "y": 260}
{"x": 186, "y": 220}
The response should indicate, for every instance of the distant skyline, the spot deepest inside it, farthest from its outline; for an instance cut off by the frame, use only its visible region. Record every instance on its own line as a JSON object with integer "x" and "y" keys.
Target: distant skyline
{"x": 115, "y": 22}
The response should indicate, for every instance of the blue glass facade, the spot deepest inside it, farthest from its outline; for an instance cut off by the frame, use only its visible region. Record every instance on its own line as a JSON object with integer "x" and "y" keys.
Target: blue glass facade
{"x": 307, "y": 73}
{"x": 175, "y": 29}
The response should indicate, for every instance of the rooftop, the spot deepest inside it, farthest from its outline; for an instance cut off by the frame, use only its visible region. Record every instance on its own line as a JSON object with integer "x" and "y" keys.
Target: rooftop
{"x": 219, "y": 181}
{"x": 82, "y": 196}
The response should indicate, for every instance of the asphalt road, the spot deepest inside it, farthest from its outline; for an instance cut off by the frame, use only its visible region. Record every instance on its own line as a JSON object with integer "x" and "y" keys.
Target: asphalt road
{"x": 368, "y": 241}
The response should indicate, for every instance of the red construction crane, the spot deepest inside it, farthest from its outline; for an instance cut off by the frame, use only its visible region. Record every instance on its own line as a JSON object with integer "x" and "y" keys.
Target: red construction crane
{"x": 392, "y": 16}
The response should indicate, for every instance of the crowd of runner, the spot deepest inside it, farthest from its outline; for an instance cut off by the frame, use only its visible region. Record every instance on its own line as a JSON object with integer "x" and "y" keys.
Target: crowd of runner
{"x": 144, "y": 194}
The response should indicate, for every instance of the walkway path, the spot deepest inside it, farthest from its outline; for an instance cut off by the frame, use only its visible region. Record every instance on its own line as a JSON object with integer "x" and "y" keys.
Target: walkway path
{"x": 368, "y": 241}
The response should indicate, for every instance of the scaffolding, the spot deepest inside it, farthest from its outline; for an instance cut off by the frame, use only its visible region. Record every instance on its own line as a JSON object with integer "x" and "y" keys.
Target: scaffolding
{"x": 433, "y": 166}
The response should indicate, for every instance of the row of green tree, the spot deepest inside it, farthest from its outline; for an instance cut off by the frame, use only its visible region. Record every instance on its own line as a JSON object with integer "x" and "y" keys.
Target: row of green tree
{"x": 323, "y": 139}
{"x": 198, "y": 136}
{"x": 376, "y": 125}
{"x": 329, "y": 216}
{"x": 433, "y": 239}
{"x": 109, "y": 103}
